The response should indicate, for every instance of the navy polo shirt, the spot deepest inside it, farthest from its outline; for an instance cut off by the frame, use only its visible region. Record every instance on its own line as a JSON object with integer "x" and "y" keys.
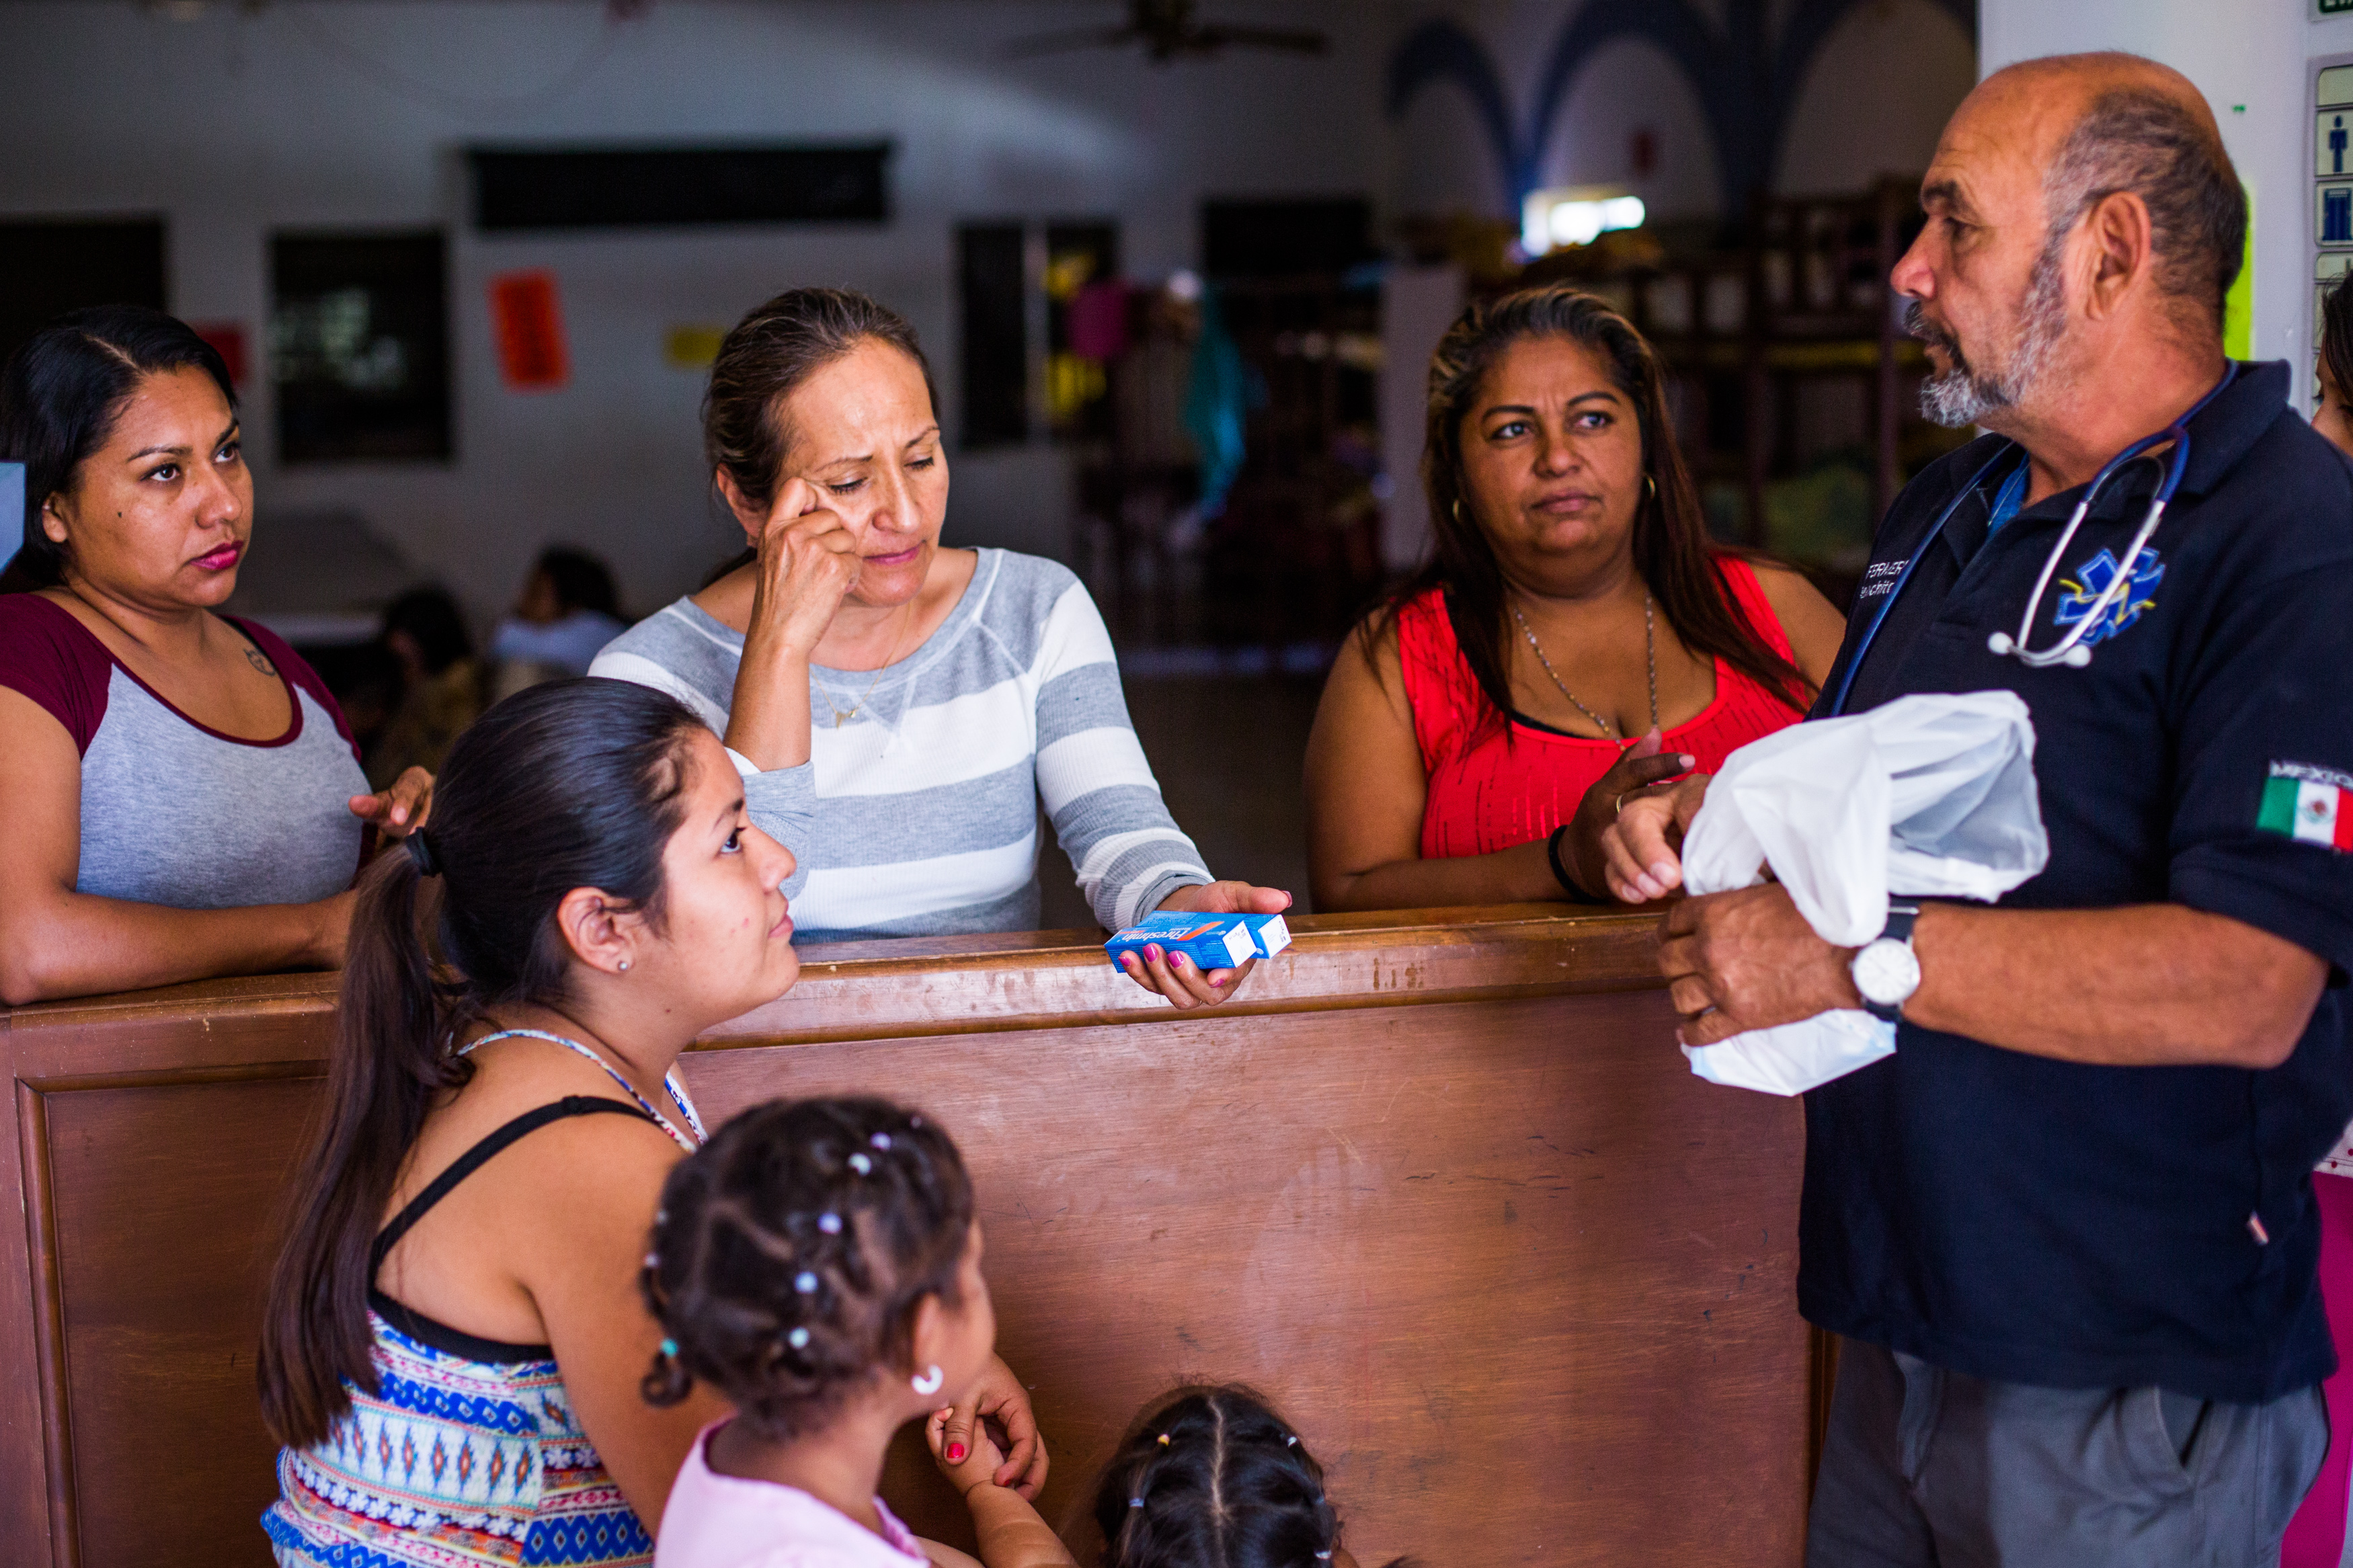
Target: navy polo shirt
{"x": 2014, "y": 1217}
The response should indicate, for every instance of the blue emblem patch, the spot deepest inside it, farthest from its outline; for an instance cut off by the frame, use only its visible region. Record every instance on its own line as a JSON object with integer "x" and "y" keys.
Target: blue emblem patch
{"x": 2092, "y": 579}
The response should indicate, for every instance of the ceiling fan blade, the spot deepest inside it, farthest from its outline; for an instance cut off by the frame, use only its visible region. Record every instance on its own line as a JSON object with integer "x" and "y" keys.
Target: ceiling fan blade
{"x": 1072, "y": 39}
{"x": 1295, "y": 41}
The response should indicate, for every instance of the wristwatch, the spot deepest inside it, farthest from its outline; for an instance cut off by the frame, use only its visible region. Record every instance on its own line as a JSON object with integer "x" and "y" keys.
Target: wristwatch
{"x": 1886, "y": 971}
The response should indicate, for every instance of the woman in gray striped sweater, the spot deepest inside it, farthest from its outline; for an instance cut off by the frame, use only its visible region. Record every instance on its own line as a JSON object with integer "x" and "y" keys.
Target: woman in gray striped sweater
{"x": 897, "y": 710}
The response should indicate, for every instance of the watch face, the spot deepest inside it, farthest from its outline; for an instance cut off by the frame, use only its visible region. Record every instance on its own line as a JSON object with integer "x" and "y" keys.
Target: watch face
{"x": 1887, "y": 971}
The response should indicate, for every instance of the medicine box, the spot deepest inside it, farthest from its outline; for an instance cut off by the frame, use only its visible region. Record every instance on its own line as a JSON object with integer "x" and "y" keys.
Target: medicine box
{"x": 1211, "y": 942}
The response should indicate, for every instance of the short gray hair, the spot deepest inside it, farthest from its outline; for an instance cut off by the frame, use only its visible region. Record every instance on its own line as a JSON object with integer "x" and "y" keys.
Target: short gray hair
{"x": 2148, "y": 142}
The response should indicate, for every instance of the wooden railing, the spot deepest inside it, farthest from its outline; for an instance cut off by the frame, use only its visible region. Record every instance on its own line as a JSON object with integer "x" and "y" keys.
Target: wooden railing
{"x": 1438, "y": 1182}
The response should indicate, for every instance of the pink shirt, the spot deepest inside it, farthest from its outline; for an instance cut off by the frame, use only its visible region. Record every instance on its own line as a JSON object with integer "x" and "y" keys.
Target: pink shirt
{"x": 719, "y": 1522}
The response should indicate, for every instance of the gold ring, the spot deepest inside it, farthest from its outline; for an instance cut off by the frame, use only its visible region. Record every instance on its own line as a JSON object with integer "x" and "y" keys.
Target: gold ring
{"x": 1619, "y": 808}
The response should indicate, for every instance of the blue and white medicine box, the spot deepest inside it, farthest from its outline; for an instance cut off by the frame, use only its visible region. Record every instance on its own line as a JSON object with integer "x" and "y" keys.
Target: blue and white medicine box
{"x": 1211, "y": 942}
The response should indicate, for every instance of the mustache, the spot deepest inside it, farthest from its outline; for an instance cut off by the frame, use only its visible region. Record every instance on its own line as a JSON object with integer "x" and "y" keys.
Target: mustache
{"x": 1917, "y": 324}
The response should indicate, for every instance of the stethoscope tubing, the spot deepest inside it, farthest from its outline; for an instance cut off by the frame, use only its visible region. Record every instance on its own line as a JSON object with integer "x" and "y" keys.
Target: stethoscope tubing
{"x": 2066, "y": 648}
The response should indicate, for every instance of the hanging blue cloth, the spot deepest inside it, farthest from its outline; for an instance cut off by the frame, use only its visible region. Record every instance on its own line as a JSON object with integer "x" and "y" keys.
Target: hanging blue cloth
{"x": 1217, "y": 398}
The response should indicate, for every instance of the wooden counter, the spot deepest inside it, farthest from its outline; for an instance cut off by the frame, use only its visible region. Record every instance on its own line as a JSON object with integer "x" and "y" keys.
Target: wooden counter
{"x": 1438, "y": 1182}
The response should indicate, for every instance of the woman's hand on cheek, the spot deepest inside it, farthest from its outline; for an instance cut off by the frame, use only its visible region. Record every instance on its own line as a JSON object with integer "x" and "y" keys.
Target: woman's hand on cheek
{"x": 401, "y": 810}
{"x": 996, "y": 1394}
{"x": 1174, "y": 975}
{"x": 809, "y": 561}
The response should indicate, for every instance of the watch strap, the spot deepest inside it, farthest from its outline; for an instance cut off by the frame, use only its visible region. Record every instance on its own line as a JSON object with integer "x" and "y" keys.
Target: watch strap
{"x": 1901, "y": 918}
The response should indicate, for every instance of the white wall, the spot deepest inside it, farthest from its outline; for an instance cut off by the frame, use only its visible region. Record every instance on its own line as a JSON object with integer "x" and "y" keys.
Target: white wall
{"x": 305, "y": 115}
{"x": 1631, "y": 85}
{"x": 1877, "y": 97}
{"x": 2251, "y": 53}
{"x": 1879, "y": 92}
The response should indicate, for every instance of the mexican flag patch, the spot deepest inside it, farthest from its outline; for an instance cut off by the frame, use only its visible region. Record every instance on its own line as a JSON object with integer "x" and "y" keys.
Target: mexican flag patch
{"x": 2314, "y": 804}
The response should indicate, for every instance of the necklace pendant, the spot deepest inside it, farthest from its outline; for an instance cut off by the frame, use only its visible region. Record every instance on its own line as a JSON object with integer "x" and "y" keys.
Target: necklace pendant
{"x": 839, "y": 717}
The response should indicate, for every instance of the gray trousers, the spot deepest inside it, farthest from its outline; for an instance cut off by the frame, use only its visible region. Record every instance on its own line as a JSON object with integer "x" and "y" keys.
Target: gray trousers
{"x": 1927, "y": 1468}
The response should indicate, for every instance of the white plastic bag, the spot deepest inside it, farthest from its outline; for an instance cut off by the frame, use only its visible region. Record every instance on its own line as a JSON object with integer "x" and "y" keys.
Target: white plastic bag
{"x": 1932, "y": 795}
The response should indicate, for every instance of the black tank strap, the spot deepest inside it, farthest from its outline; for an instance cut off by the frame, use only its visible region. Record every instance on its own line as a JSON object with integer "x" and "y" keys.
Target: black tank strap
{"x": 473, "y": 1159}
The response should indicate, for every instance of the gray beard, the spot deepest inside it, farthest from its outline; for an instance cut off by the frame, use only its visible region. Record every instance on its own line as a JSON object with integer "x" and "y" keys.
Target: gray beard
{"x": 1965, "y": 395}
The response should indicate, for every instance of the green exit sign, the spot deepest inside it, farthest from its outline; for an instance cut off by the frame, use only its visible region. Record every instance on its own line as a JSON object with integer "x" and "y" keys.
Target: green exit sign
{"x": 2332, "y": 8}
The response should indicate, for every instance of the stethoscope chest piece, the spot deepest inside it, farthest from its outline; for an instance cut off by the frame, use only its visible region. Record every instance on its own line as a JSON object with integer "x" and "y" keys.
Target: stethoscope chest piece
{"x": 2002, "y": 645}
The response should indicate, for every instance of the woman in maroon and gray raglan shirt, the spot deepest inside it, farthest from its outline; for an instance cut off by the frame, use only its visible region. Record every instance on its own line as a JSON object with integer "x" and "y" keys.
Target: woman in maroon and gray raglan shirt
{"x": 145, "y": 837}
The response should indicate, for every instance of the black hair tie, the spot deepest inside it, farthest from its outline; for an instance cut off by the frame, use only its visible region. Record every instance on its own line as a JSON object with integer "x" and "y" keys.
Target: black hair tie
{"x": 422, "y": 853}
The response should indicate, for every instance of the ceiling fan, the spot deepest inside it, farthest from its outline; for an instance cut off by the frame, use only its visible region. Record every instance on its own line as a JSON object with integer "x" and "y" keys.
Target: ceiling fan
{"x": 1168, "y": 30}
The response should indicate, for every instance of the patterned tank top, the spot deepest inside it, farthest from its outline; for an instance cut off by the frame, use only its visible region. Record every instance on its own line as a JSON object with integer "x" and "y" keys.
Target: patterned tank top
{"x": 1490, "y": 790}
{"x": 469, "y": 1452}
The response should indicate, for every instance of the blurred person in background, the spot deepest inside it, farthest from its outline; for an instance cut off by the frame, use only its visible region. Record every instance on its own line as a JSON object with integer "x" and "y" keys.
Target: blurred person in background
{"x": 567, "y": 613}
{"x": 2317, "y": 1536}
{"x": 442, "y": 685}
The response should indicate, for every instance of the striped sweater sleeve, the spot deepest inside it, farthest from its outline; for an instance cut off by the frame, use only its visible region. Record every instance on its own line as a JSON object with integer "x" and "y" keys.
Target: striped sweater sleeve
{"x": 1098, "y": 789}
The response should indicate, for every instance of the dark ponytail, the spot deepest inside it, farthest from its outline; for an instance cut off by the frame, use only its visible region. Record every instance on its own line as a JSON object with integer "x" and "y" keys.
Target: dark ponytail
{"x": 573, "y": 784}
{"x": 60, "y": 395}
{"x": 1212, "y": 1478}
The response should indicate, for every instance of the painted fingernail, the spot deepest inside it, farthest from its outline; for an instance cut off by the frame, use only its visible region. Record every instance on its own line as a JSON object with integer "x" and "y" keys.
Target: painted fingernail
{"x": 1180, "y": 961}
{"x": 955, "y": 1453}
{"x": 1688, "y": 760}
{"x": 1152, "y": 952}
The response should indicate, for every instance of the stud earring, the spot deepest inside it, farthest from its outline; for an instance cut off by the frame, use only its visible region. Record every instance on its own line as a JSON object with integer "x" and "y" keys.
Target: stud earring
{"x": 625, "y": 967}
{"x": 929, "y": 1382}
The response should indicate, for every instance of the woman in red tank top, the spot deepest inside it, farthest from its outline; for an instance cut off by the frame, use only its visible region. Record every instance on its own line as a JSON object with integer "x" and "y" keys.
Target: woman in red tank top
{"x": 1575, "y": 637}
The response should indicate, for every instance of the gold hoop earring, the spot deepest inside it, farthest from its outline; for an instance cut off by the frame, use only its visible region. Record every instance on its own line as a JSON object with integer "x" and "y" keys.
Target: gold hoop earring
{"x": 1652, "y": 480}
{"x": 1458, "y": 509}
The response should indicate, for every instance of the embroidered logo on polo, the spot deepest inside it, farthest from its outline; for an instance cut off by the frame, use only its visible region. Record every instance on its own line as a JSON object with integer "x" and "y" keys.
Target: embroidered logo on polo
{"x": 2310, "y": 805}
{"x": 1880, "y": 578}
{"x": 2092, "y": 579}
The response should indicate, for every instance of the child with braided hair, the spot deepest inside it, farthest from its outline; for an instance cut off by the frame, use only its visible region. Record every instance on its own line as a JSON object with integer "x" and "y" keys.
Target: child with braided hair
{"x": 1212, "y": 1478}
{"x": 819, "y": 1264}
{"x": 1206, "y": 1478}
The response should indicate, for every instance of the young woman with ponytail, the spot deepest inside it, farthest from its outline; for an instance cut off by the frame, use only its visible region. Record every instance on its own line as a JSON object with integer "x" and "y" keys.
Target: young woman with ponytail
{"x": 452, "y": 1342}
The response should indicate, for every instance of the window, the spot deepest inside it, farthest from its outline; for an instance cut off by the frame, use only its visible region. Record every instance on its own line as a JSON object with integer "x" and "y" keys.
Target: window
{"x": 641, "y": 187}
{"x": 48, "y": 266}
{"x": 359, "y": 347}
{"x": 1047, "y": 295}
{"x": 995, "y": 338}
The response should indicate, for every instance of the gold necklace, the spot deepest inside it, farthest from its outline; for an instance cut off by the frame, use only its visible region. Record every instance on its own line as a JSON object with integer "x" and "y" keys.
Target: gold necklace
{"x": 1650, "y": 652}
{"x": 841, "y": 718}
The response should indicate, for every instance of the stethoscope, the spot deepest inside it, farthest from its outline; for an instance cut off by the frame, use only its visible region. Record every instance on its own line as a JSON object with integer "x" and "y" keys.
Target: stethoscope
{"x": 2069, "y": 649}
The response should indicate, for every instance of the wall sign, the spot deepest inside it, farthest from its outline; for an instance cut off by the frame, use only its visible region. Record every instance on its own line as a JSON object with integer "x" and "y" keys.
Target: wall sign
{"x": 2332, "y": 177}
{"x": 529, "y": 326}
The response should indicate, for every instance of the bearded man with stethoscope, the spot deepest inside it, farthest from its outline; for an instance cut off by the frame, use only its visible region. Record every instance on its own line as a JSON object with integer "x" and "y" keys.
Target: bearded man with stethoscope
{"x": 2067, "y": 1229}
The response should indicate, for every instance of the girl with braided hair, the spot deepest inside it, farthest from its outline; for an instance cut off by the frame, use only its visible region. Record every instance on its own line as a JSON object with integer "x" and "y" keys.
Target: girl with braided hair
{"x": 818, "y": 1263}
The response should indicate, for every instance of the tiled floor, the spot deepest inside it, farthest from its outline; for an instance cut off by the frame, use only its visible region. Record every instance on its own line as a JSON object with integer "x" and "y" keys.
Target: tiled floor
{"x": 1228, "y": 751}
